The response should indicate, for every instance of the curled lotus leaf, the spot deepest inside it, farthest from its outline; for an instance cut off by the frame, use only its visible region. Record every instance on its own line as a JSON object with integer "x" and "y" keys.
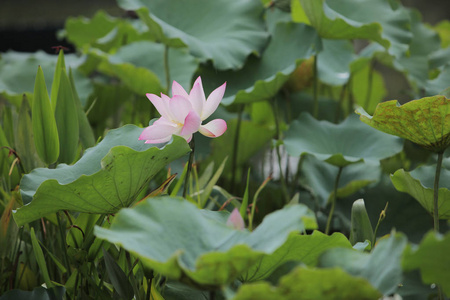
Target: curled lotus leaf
{"x": 425, "y": 121}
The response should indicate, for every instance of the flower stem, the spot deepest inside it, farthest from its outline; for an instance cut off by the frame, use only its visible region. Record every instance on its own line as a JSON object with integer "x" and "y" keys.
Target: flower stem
{"x": 337, "y": 116}
{"x": 166, "y": 66}
{"x": 277, "y": 148}
{"x": 316, "y": 92}
{"x": 436, "y": 191}
{"x": 380, "y": 219}
{"x": 62, "y": 232}
{"x": 369, "y": 85}
{"x": 333, "y": 200}
{"x": 235, "y": 148}
{"x": 190, "y": 162}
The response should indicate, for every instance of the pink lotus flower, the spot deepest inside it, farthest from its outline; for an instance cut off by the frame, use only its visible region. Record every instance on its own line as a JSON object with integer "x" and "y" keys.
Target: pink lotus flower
{"x": 183, "y": 114}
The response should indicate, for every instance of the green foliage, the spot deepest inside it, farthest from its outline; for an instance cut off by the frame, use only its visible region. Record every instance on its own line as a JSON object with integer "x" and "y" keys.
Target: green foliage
{"x": 407, "y": 183}
{"x": 382, "y": 268}
{"x": 39, "y": 293}
{"x": 44, "y": 124}
{"x": 261, "y": 78}
{"x": 299, "y": 248}
{"x": 361, "y": 228}
{"x": 97, "y": 182}
{"x": 66, "y": 121}
{"x": 226, "y": 41}
{"x": 308, "y": 284}
{"x": 207, "y": 251}
{"x": 360, "y": 19}
{"x": 295, "y": 71}
{"x": 425, "y": 122}
{"x": 339, "y": 145}
{"x": 431, "y": 257}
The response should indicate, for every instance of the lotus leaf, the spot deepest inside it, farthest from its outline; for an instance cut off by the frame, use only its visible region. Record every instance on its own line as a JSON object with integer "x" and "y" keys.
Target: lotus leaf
{"x": 413, "y": 184}
{"x": 308, "y": 284}
{"x": 108, "y": 177}
{"x": 425, "y": 121}
{"x": 432, "y": 258}
{"x": 340, "y": 144}
{"x": 261, "y": 78}
{"x": 173, "y": 237}
{"x": 224, "y": 40}
{"x": 381, "y": 267}
{"x": 300, "y": 248}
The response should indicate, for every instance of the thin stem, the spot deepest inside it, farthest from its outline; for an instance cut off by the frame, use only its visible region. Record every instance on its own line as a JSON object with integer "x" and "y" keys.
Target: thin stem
{"x": 369, "y": 85}
{"x": 351, "y": 100}
{"x": 166, "y": 66}
{"x": 341, "y": 101}
{"x": 380, "y": 219}
{"x": 436, "y": 191}
{"x": 190, "y": 162}
{"x": 255, "y": 198}
{"x": 333, "y": 200}
{"x": 316, "y": 92}
{"x": 62, "y": 231}
{"x": 277, "y": 148}
{"x": 235, "y": 148}
{"x": 131, "y": 276}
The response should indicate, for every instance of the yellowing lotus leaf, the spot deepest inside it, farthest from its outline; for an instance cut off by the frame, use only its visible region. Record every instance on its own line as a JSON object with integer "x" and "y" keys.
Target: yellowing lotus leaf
{"x": 425, "y": 121}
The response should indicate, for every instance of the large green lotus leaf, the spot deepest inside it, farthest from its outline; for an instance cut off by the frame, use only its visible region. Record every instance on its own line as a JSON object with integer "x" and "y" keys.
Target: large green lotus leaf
{"x": 150, "y": 56}
{"x": 382, "y": 268}
{"x": 139, "y": 80}
{"x": 417, "y": 185}
{"x": 103, "y": 31}
{"x": 310, "y": 284}
{"x": 333, "y": 62}
{"x": 174, "y": 238}
{"x": 108, "y": 177}
{"x": 358, "y": 19}
{"x": 227, "y": 34}
{"x": 432, "y": 258}
{"x": 300, "y": 248}
{"x": 425, "y": 121}
{"x": 18, "y": 73}
{"x": 339, "y": 144}
{"x": 261, "y": 78}
{"x": 319, "y": 177}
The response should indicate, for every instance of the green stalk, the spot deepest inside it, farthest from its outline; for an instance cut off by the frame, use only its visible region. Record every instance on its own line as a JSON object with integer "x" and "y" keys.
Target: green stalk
{"x": 277, "y": 148}
{"x": 131, "y": 276}
{"x": 380, "y": 219}
{"x": 190, "y": 162}
{"x": 63, "y": 243}
{"x": 337, "y": 116}
{"x": 369, "y": 86}
{"x": 255, "y": 198}
{"x": 333, "y": 200}
{"x": 166, "y": 66}
{"x": 436, "y": 191}
{"x": 316, "y": 92}
{"x": 235, "y": 148}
